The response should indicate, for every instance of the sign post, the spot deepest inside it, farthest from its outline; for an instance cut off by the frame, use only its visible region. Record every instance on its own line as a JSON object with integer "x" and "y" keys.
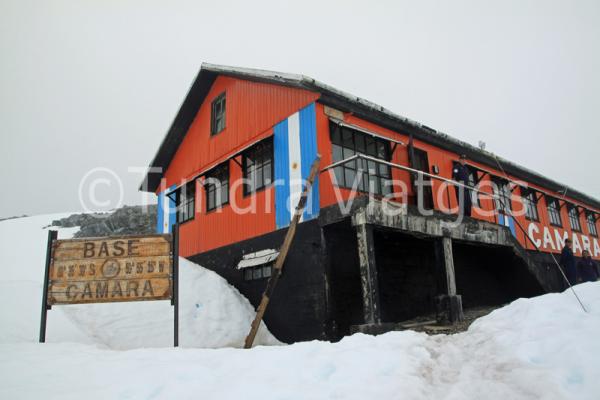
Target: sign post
{"x": 175, "y": 280}
{"x": 45, "y": 307}
{"x": 110, "y": 269}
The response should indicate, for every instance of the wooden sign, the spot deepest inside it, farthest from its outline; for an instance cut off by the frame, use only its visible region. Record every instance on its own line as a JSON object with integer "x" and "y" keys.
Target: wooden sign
{"x": 111, "y": 269}
{"x": 129, "y": 268}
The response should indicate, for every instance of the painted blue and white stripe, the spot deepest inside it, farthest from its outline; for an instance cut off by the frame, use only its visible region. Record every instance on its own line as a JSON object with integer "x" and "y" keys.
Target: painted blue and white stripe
{"x": 166, "y": 212}
{"x": 508, "y": 222}
{"x": 295, "y": 148}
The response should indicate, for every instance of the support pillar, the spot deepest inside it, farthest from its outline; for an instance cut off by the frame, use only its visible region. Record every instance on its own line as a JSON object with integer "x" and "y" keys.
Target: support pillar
{"x": 368, "y": 273}
{"x": 449, "y": 303}
{"x": 449, "y": 265}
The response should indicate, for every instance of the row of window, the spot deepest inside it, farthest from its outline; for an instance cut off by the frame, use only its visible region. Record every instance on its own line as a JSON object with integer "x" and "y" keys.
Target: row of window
{"x": 362, "y": 175}
{"x": 530, "y": 200}
{"x": 257, "y": 169}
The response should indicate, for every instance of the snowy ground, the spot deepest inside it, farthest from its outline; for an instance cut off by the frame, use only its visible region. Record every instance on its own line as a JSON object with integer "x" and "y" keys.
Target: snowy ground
{"x": 543, "y": 348}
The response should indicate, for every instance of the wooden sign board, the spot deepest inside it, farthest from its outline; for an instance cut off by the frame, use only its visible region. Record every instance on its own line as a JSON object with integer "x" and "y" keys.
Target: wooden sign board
{"x": 112, "y": 269}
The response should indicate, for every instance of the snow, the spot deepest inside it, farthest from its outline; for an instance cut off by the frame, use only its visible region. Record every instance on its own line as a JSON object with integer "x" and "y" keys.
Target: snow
{"x": 541, "y": 348}
{"x": 212, "y": 313}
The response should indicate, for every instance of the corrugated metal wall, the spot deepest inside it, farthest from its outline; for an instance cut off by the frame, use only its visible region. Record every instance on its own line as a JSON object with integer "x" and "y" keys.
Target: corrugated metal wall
{"x": 252, "y": 110}
{"x": 445, "y": 198}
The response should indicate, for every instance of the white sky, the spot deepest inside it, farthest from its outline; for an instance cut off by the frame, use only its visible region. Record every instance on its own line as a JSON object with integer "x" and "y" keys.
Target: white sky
{"x": 97, "y": 84}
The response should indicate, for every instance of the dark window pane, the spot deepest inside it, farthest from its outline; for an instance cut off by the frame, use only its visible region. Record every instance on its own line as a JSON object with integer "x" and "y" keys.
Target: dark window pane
{"x": 336, "y": 136}
{"x": 257, "y": 273}
{"x": 360, "y": 144}
{"x": 347, "y": 138}
{"x": 349, "y": 175}
{"x": 386, "y": 186}
{"x": 381, "y": 153}
{"x": 339, "y": 175}
{"x": 337, "y": 153}
{"x": 248, "y": 274}
{"x": 371, "y": 147}
{"x": 267, "y": 173}
{"x": 266, "y": 271}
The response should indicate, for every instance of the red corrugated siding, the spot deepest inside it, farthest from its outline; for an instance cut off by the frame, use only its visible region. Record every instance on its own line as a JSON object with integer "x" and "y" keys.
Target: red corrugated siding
{"x": 444, "y": 160}
{"x": 252, "y": 109}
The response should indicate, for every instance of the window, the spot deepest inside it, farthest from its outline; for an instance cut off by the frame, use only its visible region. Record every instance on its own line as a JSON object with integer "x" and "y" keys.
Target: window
{"x": 216, "y": 184}
{"x": 591, "y": 223}
{"x": 370, "y": 175}
{"x": 257, "y": 164}
{"x": 530, "y": 203}
{"x": 185, "y": 201}
{"x": 217, "y": 114}
{"x": 473, "y": 181}
{"x": 574, "y": 218}
{"x": 258, "y": 272}
{"x": 554, "y": 211}
{"x": 503, "y": 199}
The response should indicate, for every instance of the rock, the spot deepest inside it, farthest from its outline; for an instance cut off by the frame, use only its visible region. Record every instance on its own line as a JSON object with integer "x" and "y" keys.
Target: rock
{"x": 127, "y": 220}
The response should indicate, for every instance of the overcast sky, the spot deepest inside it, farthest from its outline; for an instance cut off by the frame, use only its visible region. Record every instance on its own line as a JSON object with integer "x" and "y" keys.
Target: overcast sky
{"x": 97, "y": 84}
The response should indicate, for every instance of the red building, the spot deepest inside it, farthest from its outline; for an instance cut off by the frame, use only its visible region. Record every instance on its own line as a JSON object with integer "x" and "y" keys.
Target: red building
{"x": 231, "y": 170}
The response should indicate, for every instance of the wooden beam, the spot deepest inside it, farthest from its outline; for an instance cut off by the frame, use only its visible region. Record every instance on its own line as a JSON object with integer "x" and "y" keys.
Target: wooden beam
{"x": 368, "y": 273}
{"x": 449, "y": 265}
{"x": 287, "y": 242}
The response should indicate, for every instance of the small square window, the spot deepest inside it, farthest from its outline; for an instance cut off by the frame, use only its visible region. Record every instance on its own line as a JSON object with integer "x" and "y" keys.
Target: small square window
{"x": 185, "y": 201}
{"x": 554, "y": 211}
{"x": 217, "y": 114}
{"x": 591, "y": 223}
{"x": 216, "y": 185}
{"x": 574, "y": 218}
{"x": 258, "y": 166}
{"x": 530, "y": 203}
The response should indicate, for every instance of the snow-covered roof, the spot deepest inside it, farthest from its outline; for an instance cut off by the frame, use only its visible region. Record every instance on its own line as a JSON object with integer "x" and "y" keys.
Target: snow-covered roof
{"x": 346, "y": 102}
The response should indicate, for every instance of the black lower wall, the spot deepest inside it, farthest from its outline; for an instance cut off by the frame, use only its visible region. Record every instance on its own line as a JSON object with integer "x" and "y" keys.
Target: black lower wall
{"x": 297, "y": 310}
{"x": 488, "y": 275}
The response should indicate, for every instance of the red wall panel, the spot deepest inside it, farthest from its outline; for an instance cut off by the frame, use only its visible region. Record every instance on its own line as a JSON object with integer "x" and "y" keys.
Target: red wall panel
{"x": 444, "y": 196}
{"x": 252, "y": 109}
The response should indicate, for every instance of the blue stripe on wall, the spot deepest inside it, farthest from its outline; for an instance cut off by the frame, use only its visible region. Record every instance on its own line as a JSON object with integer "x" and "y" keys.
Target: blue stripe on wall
{"x": 308, "y": 146}
{"x": 172, "y": 210}
{"x": 159, "y": 212}
{"x": 282, "y": 174}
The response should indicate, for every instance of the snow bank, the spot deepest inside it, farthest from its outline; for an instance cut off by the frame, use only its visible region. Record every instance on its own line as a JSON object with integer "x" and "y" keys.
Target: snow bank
{"x": 541, "y": 348}
{"x": 212, "y": 312}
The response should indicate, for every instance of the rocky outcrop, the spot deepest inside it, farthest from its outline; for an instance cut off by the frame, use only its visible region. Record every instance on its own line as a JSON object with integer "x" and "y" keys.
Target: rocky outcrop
{"x": 127, "y": 220}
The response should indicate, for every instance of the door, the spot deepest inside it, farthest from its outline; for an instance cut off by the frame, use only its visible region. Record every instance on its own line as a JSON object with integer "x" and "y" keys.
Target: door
{"x": 420, "y": 162}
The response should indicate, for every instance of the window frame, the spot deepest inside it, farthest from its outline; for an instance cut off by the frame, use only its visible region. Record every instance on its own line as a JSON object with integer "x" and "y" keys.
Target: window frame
{"x": 365, "y": 144}
{"x": 265, "y": 149}
{"x": 218, "y": 122}
{"x": 502, "y": 189}
{"x": 574, "y": 218}
{"x": 592, "y": 223}
{"x": 473, "y": 181}
{"x": 551, "y": 210}
{"x": 530, "y": 201}
{"x": 251, "y": 274}
{"x": 185, "y": 211}
{"x": 213, "y": 188}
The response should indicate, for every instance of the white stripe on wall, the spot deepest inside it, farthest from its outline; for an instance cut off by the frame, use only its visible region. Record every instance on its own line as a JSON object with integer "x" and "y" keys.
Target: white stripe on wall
{"x": 166, "y": 213}
{"x": 295, "y": 161}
